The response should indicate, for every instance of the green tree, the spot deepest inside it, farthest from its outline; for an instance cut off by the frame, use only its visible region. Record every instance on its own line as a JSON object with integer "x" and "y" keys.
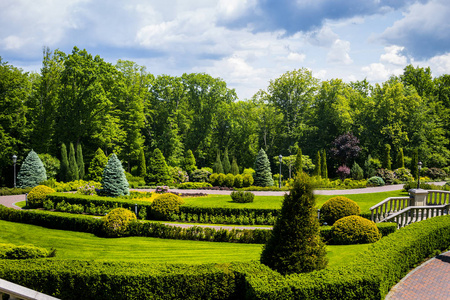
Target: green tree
{"x": 298, "y": 166}
{"x": 217, "y": 167}
{"x": 52, "y": 165}
{"x": 226, "y": 162}
{"x": 263, "y": 175}
{"x": 80, "y": 162}
{"x": 97, "y": 166}
{"x": 157, "y": 170}
{"x": 419, "y": 78}
{"x": 114, "y": 181}
{"x": 63, "y": 173}
{"x": 234, "y": 167}
{"x": 356, "y": 172}
{"x": 142, "y": 168}
{"x": 32, "y": 172}
{"x": 414, "y": 164}
{"x": 295, "y": 245}
{"x": 72, "y": 173}
{"x": 189, "y": 162}
{"x": 387, "y": 163}
{"x": 318, "y": 167}
{"x": 324, "y": 164}
{"x": 400, "y": 159}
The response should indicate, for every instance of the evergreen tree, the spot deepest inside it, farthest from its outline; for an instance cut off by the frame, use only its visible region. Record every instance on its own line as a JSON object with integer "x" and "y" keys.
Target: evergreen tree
{"x": 295, "y": 245}
{"x": 217, "y": 167}
{"x": 387, "y": 163}
{"x": 234, "y": 167}
{"x": 142, "y": 168}
{"x": 189, "y": 162}
{"x": 157, "y": 170}
{"x": 318, "y": 167}
{"x": 226, "y": 162}
{"x": 298, "y": 166}
{"x": 97, "y": 166}
{"x": 80, "y": 162}
{"x": 324, "y": 164}
{"x": 64, "y": 169}
{"x": 72, "y": 173}
{"x": 414, "y": 164}
{"x": 357, "y": 172}
{"x": 400, "y": 159}
{"x": 32, "y": 172}
{"x": 263, "y": 175}
{"x": 114, "y": 182}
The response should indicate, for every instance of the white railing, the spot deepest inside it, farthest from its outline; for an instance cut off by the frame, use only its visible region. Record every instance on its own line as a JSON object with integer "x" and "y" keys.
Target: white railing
{"x": 385, "y": 208}
{"x": 414, "y": 214}
{"x": 16, "y": 291}
{"x": 437, "y": 197}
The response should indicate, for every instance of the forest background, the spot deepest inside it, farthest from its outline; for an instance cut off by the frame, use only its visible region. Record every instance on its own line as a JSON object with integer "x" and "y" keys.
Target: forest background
{"x": 81, "y": 99}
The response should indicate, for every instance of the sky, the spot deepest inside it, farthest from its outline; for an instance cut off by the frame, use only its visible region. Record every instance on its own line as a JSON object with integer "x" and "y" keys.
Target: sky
{"x": 247, "y": 43}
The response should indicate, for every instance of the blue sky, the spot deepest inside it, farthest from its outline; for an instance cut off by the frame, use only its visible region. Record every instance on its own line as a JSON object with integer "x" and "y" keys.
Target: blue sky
{"x": 245, "y": 42}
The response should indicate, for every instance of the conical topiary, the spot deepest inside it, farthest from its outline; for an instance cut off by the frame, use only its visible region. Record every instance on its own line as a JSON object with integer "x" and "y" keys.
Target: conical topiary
{"x": 142, "y": 167}
{"x": 64, "y": 163}
{"x": 80, "y": 162}
{"x": 234, "y": 167}
{"x": 263, "y": 175}
{"x": 226, "y": 162}
{"x": 72, "y": 174}
{"x": 189, "y": 162}
{"x": 298, "y": 166}
{"x": 157, "y": 170}
{"x": 324, "y": 164}
{"x": 217, "y": 167}
{"x": 114, "y": 182}
{"x": 97, "y": 166}
{"x": 295, "y": 245}
{"x": 318, "y": 168}
{"x": 32, "y": 171}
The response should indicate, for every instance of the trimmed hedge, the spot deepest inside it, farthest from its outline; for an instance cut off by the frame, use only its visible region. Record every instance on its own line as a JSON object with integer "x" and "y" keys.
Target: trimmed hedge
{"x": 11, "y": 251}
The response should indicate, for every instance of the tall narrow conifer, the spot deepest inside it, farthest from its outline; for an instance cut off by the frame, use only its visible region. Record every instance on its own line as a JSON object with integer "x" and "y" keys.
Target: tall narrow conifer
{"x": 217, "y": 167}
{"x": 318, "y": 167}
{"x": 80, "y": 162}
{"x": 234, "y": 167}
{"x": 226, "y": 162}
{"x": 324, "y": 164}
{"x": 64, "y": 169}
{"x": 298, "y": 166}
{"x": 72, "y": 174}
{"x": 263, "y": 175}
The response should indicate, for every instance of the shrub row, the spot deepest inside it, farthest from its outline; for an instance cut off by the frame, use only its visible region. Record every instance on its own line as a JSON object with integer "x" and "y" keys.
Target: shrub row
{"x": 11, "y": 251}
{"x": 194, "y": 185}
{"x": 249, "y": 219}
{"x": 14, "y": 191}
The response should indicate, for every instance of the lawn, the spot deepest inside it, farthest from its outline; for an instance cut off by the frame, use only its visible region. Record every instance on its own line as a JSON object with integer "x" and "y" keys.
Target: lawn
{"x": 85, "y": 246}
{"x": 365, "y": 201}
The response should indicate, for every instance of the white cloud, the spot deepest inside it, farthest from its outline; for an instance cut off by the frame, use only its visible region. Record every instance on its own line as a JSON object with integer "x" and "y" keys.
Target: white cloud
{"x": 339, "y": 53}
{"x": 393, "y": 56}
{"x": 298, "y": 57}
{"x": 378, "y": 72}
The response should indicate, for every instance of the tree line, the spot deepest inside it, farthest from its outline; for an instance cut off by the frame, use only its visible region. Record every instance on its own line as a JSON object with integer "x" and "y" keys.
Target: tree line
{"x": 79, "y": 98}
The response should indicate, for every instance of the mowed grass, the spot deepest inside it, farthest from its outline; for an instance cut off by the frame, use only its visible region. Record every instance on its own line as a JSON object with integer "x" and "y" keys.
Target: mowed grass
{"x": 365, "y": 201}
{"x": 72, "y": 245}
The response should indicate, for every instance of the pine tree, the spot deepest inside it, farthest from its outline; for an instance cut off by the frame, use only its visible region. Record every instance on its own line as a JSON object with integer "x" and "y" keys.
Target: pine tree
{"x": 80, "y": 162}
{"x": 387, "y": 163}
{"x": 142, "y": 168}
{"x": 72, "y": 174}
{"x": 189, "y": 162}
{"x": 324, "y": 164}
{"x": 298, "y": 166}
{"x": 217, "y": 167}
{"x": 157, "y": 170}
{"x": 114, "y": 182}
{"x": 318, "y": 167}
{"x": 400, "y": 159}
{"x": 414, "y": 164}
{"x": 32, "y": 172}
{"x": 234, "y": 167}
{"x": 295, "y": 245}
{"x": 97, "y": 166}
{"x": 226, "y": 162}
{"x": 64, "y": 169}
{"x": 263, "y": 175}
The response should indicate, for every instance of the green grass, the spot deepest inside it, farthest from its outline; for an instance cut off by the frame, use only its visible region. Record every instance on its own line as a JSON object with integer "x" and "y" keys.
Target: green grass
{"x": 84, "y": 246}
{"x": 365, "y": 201}
{"x": 21, "y": 204}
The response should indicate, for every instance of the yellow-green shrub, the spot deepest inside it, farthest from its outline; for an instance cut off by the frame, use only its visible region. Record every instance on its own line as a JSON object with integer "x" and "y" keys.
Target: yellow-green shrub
{"x": 38, "y": 194}
{"x": 354, "y": 230}
{"x": 337, "y": 208}
{"x": 116, "y": 223}
{"x": 165, "y": 205}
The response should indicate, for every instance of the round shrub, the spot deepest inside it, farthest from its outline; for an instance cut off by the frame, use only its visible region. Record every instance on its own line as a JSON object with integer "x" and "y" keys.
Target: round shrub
{"x": 238, "y": 181}
{"x": 375, "y": 181}
{"x": 337, "y": 208}
{"x": 403, "y": 174}
{"x": 247, "y": 180}
{"x": 38, "y": 194}
{"x": 116, "y": 223}
{"x": 213, "y": 179}
{"x": 242, "y": 197}
{"x": 229, "y": 180}
{"x": 220, "y": 179}
{"x": 165, "y": 205}
{"x": 354, "y": 230}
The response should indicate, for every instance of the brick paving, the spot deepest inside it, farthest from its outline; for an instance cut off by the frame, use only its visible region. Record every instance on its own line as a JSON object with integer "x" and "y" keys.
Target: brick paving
{"x": 431, "y": 280}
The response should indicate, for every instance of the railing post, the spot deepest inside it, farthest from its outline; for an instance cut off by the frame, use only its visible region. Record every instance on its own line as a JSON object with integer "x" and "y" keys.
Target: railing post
{"x": 418, "y": 197}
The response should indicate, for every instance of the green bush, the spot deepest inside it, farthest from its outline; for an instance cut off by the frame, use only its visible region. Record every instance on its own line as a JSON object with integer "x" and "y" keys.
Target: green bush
{"x": 117, "y": 222}
{"x": 387, "y": 175}
{"x": 242, "y": 197}
{"x": 38, "y": 194}
{"x": 32, "y": 172}
{"x": 165, "y": 205}
{"x": 14, "y": 191}
{"x": 403, "y": 174}
{"x": 357, "y": 172}
{"x": 238, "y": 181}
{"x": 229, "y": 180}
{"x": 354, "y": 230}
{"x": 337, "y": 208}
{"x": 200, "y": 175}
{"x": 220, "y": 181}
{"x": 247, "y": 180}
{"x": 375, "y": 181}
{"x": 194, "y": 185}
{"x": 435, "y": 173}
{"x": 10, "y": 251}
{"x": 213, "y": 179}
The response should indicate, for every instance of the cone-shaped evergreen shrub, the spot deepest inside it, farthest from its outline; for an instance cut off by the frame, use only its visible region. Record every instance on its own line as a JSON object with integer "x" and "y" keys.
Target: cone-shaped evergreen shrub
{"x": 356, "y": 172}
{"x": 32, "y": 171}
{"x": 234, "y": 167}
{"x": 142, "y": 167}
{"x": 414, "y": 164}
{"x": 263, "y": 175}
{"x": 226, "y": 163}
{"x": 400, "y": 159}
{"x": 295, "y": 245}
{"x": 298, "y": 166}
{"x": 217, "y": 167}
{"x": 387, "y": 163}
{"x": 318, "y": 168}
{"x": 114, "y": 182}
{"x": 158, "y": 171}
{"x": 97, "y": 166}
{"x": 64, "y": 163}
{"x": 189, "y": 162}
{"x": 324, "y": 164}
{"x": 80, "y": 162}
{"x": 72, "y": 174}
